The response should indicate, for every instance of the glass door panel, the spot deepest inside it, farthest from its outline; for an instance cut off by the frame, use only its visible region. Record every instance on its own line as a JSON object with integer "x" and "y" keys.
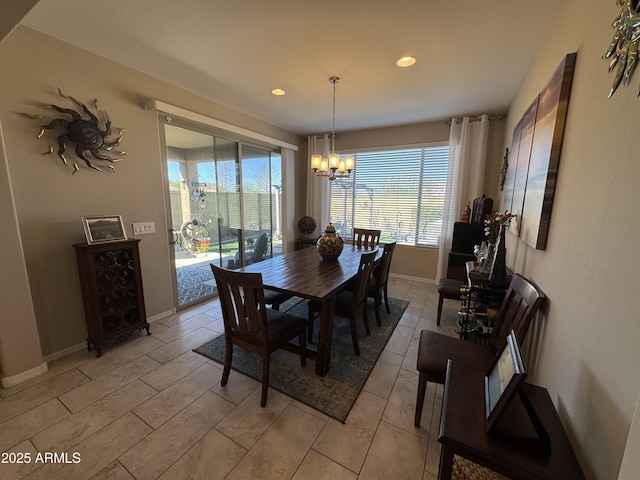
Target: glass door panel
{"x": 195, "y": 179}
{"x": 224, "y": 202}
{"x": 257, "y": 203}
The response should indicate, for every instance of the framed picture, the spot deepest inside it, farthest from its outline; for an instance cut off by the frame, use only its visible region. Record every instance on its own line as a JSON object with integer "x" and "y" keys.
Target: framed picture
{"x": 503, "y": 380}
{"x": 103, "y": 228}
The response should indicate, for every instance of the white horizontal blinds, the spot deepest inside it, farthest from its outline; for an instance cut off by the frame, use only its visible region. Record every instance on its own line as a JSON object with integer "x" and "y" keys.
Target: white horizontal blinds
{"x": 400, "y": 192}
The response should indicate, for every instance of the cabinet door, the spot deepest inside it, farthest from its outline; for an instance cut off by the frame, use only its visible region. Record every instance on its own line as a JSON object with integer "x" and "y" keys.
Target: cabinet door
{"x": 117, "y": 289}
{"x": 112, "y": 290}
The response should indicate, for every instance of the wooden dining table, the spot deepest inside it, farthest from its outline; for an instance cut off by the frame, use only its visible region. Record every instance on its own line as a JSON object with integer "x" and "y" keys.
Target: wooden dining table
{"x": 305, "y": 274}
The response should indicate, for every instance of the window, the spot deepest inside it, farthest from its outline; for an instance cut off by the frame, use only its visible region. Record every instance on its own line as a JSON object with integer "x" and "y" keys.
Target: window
{"x": 400, "y": 192}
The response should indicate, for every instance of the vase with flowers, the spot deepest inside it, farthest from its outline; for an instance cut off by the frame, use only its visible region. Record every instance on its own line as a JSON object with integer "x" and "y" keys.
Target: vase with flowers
{"x": 495, "y": 225}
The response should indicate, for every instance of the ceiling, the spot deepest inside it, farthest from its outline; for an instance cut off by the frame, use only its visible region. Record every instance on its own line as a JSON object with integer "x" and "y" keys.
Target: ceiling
{"x": 471, "y": 54}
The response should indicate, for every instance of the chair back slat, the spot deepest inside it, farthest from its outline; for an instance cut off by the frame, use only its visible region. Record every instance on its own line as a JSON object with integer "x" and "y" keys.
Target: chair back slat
{"x": 362, "y": 280}
{"x": 242, "y": 302}
{"x": 381, "y": 272}
{"x": 366, "y": 238}
{"x": 519, "y": 306}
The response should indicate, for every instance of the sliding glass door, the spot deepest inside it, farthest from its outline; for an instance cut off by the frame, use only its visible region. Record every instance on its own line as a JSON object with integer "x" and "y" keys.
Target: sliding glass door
{"x": 224, "y": 203}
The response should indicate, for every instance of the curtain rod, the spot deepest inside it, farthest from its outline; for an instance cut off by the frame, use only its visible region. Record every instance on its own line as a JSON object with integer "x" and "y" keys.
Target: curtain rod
{"x": 477, "y": 119}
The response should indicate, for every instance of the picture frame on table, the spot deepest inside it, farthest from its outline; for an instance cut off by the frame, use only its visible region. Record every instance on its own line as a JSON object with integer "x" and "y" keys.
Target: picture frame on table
{"x": 103, "y": 228}
{"x": 503, "y": 380}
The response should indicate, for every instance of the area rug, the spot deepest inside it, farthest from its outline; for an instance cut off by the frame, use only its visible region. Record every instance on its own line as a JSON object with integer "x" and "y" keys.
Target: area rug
{"x": 334, "y": 394}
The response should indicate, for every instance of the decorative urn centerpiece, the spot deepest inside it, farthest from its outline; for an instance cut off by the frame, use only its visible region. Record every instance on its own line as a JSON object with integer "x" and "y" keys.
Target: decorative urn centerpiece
{"x": 330, "y": 244}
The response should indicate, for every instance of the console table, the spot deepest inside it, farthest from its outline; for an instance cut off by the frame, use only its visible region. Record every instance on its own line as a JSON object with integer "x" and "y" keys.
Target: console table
{"x": 513, "y": 447}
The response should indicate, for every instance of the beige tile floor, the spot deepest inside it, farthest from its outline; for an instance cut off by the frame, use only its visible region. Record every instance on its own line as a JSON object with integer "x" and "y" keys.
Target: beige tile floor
{"x": 151, "y": 408}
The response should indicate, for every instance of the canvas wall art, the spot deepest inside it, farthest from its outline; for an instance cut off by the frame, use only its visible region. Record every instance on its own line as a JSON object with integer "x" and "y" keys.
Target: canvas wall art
{"x": 531, "y": 180}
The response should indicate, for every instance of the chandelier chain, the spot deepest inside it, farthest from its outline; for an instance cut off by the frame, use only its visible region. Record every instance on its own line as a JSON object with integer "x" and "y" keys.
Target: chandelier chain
{"x": 333, "y": 80}
{"x": 333, "y": 118}
{"x": 332, "y": 167}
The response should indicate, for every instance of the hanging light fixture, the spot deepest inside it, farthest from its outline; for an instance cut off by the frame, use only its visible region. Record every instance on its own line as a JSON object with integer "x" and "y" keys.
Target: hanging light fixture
{"x": 332, "y": 167}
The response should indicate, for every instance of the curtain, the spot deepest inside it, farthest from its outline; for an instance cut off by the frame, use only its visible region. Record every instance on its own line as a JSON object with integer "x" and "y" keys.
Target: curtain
{"x": 290, "y": 231}
{"x": 465, "y": 177}
{"x": 317, "y": 204}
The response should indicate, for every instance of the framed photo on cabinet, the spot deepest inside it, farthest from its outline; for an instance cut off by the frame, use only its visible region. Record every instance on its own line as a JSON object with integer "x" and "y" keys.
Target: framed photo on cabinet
{"x": 103, "y": 228}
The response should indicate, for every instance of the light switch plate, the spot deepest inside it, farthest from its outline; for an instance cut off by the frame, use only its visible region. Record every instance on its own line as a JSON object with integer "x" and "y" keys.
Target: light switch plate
{"x": 143, "y": 228}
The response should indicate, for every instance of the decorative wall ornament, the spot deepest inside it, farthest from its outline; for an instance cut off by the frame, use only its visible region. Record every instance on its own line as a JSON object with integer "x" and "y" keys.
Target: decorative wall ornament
{"x": 623, "y": 49}
{"x": 86, "y": 135}
{"x": 503, "y": 170}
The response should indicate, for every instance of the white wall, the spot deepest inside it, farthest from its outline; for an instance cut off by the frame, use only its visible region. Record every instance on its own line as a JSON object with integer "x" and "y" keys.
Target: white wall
{"x": 588, "y": 351}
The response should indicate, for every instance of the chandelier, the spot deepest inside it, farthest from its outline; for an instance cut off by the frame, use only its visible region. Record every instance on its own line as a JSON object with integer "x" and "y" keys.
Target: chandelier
{"x": 332, "y": 167}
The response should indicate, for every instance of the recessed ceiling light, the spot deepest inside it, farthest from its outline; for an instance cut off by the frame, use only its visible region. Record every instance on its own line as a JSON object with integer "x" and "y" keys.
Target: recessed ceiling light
{"x": 278, "y": 91}
{"x": 406, "y": 61}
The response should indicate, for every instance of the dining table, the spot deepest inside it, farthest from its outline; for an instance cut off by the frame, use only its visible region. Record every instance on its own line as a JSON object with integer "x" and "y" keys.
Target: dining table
{"x": 304, "y": 273}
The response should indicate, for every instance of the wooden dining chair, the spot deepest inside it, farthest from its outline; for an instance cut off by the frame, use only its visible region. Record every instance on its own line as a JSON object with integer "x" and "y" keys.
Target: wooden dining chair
{"x": 518, "y": 308}
{"x": 275, "y": 298}
{"x": 249, "y": 324}
{"x": 366, "y": 238}
{"x": 350, "y": 303}
{"x": 379, "y": 280}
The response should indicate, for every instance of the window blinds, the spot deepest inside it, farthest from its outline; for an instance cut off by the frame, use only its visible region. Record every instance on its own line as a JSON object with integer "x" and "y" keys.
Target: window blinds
{"x": 400, "y": 192}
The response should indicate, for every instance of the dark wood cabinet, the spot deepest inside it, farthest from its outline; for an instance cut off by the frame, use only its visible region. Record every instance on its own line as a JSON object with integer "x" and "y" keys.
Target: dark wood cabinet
{"x": 111, "y": 284}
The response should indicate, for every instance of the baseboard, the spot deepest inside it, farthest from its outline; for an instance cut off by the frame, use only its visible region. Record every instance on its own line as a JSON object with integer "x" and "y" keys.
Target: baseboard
{"x": 14, "y": 380}
{"x": 83, "y": 346}
{"x": 66, "y": 352}
{"x": 413, "y": 279}
{"x": 160, "y": 316}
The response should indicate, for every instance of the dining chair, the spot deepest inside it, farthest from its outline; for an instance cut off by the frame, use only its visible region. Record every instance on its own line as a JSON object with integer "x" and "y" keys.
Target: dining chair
{"x": 249, "y": 324}
{"x": 379, "y": 280}
{"x": 518, "y": 308}
{"x": 349, "y": 303}
{"x": 275, "y": 298}
{"x": 366, "y": 238}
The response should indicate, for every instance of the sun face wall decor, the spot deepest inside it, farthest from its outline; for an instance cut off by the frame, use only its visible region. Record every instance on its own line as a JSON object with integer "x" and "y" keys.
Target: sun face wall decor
{"x": 86, "y": 134}
{"x": 623, "y": 49}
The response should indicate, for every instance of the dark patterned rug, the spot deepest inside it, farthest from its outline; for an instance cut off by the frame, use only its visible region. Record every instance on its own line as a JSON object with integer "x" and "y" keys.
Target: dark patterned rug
{"x": 334, "y": 394}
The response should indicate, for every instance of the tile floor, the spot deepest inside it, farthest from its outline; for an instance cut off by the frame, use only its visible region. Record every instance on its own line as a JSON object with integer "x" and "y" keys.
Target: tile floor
{"x": 152, "y": 408}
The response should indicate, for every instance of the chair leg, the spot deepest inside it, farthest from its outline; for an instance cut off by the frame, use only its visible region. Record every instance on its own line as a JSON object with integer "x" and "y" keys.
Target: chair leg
{"x": 303, "y": 348}
{"x": 365, "y": 319}
{"x": 386, "y": 299}
{"x": 310, "y": 317}
{"x": 422, "y": 387}
{"x": 265, "y": 380}
{"x": 354, "y": 335}
{"x": 228, "y": 355}
{"x": 440, "y": 302}
{"x": 376, "y": 306}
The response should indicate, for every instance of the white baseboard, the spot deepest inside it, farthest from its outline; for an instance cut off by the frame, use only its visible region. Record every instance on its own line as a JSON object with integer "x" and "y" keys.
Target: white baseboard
{"x": 161, "y": 315}
{"x": 66, "y": 352}
{"x": 83, "y": 346}
{"x": 413, "y": 279}
{"x": 14, "y": 380}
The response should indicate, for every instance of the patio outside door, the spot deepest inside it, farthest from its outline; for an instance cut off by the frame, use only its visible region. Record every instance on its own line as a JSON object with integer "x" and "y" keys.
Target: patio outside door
{"x": 222, "y": 196}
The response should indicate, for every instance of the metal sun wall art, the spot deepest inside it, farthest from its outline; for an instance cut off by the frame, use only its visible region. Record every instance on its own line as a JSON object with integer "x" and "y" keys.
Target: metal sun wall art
{"x": 623, "y": 49}
{"x": 86, "y": 134}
